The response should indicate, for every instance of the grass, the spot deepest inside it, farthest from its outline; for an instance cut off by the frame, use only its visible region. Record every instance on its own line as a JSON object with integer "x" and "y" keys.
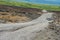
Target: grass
{"x": 30, "y": 5}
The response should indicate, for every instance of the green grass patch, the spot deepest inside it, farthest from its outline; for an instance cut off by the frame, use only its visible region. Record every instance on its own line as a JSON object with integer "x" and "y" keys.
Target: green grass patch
{"x": 30, "y": 5}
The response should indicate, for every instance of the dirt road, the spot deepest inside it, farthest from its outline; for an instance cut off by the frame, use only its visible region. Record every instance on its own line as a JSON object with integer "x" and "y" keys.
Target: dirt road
{"x": 24, "y": 31}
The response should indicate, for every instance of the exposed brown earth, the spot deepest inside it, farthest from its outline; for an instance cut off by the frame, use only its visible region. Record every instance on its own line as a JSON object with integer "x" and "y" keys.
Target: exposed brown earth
{"x": 14, "y": 14}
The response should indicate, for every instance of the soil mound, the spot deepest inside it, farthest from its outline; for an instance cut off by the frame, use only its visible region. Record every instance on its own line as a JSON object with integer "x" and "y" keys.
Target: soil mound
{"x": 14, "y": 14}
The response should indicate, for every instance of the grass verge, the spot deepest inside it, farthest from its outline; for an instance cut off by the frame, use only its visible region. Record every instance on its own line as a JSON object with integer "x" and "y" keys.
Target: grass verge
{"x": 30, "y": 5}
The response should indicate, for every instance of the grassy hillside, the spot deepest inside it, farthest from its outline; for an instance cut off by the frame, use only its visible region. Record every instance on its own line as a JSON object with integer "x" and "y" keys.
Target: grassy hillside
{"x": 29, "y": 5}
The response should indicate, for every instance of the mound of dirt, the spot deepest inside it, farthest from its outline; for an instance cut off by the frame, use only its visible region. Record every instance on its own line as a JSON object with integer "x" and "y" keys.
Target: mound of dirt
{"x": 13, "y": 14}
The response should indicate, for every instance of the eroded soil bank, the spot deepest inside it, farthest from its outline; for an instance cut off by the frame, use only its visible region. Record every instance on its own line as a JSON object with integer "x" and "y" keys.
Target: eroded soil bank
{"x": 14, "y": 14}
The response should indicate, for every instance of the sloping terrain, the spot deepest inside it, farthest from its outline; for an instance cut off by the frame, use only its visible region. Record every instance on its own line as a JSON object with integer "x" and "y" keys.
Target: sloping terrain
{"x": 14, "y": 14}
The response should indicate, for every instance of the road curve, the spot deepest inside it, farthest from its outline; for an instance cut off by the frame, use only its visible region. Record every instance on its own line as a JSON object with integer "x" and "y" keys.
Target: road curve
{"x": 41, "y": 19}
{"x": 26, "y": 31}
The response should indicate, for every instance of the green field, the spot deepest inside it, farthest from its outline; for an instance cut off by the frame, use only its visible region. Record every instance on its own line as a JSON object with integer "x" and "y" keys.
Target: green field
{"x": 30, "y": 5}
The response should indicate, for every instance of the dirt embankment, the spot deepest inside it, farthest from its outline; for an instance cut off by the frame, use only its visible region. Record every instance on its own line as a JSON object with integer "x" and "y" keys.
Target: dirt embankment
{"x": 14, "y": 14}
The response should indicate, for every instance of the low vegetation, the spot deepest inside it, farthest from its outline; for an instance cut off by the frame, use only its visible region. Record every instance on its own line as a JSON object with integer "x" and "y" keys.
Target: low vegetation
{"x": 30, "y": 5}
